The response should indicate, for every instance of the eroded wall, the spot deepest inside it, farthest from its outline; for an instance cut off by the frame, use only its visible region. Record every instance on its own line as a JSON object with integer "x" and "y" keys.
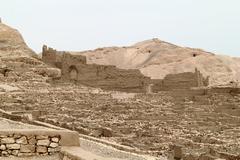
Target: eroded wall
{"x": 51, "y": 56}
{"x": 76, "y": 69}
{"x": 184, "y": 81}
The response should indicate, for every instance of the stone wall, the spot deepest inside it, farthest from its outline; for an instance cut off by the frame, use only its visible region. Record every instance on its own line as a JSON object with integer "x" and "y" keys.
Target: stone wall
{"x": 105, "y": 77}
{"x": 184, "y": 80}
{"x": 20, "y": 144}
{"x": 51, "y": 56}
{"x": 75, "y": 68}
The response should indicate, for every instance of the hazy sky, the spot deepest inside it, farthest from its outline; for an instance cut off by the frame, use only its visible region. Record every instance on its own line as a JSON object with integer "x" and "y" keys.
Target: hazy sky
{"x": 213, "y": 25}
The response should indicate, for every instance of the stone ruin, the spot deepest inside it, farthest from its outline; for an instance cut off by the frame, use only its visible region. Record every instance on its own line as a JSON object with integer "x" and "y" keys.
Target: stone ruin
{"x": 25, "y": 144}
{"x": 75, "y": 68}
{"x": 184, "y": 80}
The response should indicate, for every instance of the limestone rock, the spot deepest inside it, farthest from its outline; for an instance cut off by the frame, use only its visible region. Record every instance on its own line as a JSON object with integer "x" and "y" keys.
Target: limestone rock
{"x": 53, "y": 145}
{"x": 5, "y": 153}
{"x": 44, "y": 142}
{"x": 13, "y": 146}
{"x": 7, "y": 140}
{"x": 27, "y": 148}
{"x": 57, "y": 149}
{"x": 55, "y": 139}
{"x": 41, "y": 149}
{"x": 15, "y": 152}
{"x": 22, "y": 140}
{"x": 32, "y": 141}
{"x": 2, "y": 147}
{"x": 48, "y": 72}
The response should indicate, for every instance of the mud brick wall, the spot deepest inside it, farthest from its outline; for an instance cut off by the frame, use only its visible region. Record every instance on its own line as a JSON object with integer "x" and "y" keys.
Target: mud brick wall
{"x": 21, "y": 145}
{"x": 51, "y": 56}
{"x": 184, "y": 80}
{"x": 75, "y": 68}
{"x": 109, "y": 77}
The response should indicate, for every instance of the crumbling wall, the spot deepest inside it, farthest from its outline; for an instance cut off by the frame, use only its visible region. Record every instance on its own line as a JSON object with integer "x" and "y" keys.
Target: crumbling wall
{"x": 72, "y": 63}
{"x": 74, "y": 67}
{"x": 22, "y": 144}
{"x": 184, "y": 80}
{"x": 51, "y": 56}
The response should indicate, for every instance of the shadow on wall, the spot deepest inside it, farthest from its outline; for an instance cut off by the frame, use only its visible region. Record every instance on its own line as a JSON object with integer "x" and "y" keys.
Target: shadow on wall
{"x": 73, "y": 72}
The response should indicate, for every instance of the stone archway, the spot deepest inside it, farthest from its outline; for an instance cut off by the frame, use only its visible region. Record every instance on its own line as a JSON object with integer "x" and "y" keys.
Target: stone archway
{"x": 73, "y": 73}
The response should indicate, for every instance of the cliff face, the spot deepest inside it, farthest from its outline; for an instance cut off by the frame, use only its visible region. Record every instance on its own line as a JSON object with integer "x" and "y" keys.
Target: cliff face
{"x": 12, "y": 43}
{"x": 157, "y": 59}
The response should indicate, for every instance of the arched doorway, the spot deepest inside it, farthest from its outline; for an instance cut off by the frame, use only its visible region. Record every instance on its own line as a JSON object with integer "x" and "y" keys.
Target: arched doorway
{"x": 73, "y": 73}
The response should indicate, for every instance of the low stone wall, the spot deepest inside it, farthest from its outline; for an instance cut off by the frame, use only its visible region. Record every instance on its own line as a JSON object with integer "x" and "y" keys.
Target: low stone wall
{"x": 28, "y": 144}
{"x": 7, "y": 115}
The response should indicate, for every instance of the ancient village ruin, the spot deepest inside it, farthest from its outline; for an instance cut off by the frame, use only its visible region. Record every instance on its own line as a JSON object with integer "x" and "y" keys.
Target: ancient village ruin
{"x": 62, "y": 107}
{"x": 75, "y": 68}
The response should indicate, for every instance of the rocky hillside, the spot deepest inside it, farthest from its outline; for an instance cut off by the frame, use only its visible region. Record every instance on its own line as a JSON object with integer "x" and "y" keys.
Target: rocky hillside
{"x": 12, "y": 43}
{"x": 19, "y": 65}
{"x": 157, "y": 58}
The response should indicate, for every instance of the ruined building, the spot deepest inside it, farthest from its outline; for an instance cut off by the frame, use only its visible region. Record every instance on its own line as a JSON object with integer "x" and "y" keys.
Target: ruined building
{"x": 184, "y": 80}
{"x": 75, "y": 68}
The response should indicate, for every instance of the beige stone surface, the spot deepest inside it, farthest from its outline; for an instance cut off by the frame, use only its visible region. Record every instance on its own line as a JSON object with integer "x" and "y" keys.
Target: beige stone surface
{"x": 7, "y": 140}
{"x": 41, "y": 149}
{"x": 13, "y": 146}
{"x": 54, "y": 145}
{"x": 44, "y": 142}
{"x": 22, "y": 140}
{"x": 27, "y": 148}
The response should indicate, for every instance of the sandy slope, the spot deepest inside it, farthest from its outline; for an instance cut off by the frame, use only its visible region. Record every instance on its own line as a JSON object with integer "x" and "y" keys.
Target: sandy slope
{"x": 12, "y": 43}
{"x": 157, "y": 58}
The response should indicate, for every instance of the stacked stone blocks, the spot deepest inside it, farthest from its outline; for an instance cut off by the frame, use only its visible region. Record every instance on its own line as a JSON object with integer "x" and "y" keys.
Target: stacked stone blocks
{"x": 28, "y": 145}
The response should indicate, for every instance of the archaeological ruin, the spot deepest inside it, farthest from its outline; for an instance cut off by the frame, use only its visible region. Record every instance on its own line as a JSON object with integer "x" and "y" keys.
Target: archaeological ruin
{"x": 76, "y": 69}
{"x": 59, "y": 106}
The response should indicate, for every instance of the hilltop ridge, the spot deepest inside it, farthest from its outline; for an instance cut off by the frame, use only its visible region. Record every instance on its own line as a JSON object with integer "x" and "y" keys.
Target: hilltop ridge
{"x": 156, "y": 59}
{"x": 12, "y": 43}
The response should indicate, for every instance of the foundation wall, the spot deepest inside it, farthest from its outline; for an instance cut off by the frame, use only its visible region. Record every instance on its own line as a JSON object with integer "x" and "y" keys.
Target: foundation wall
{"x": 22, "y": 144}
{"x": 181, "y": 81}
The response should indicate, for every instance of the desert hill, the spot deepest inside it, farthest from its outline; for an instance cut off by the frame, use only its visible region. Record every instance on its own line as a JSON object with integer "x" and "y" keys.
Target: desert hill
{"x": 12, "y": 43}
{"x": 156, "y": 59}
{"x": 20, "y": 61}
